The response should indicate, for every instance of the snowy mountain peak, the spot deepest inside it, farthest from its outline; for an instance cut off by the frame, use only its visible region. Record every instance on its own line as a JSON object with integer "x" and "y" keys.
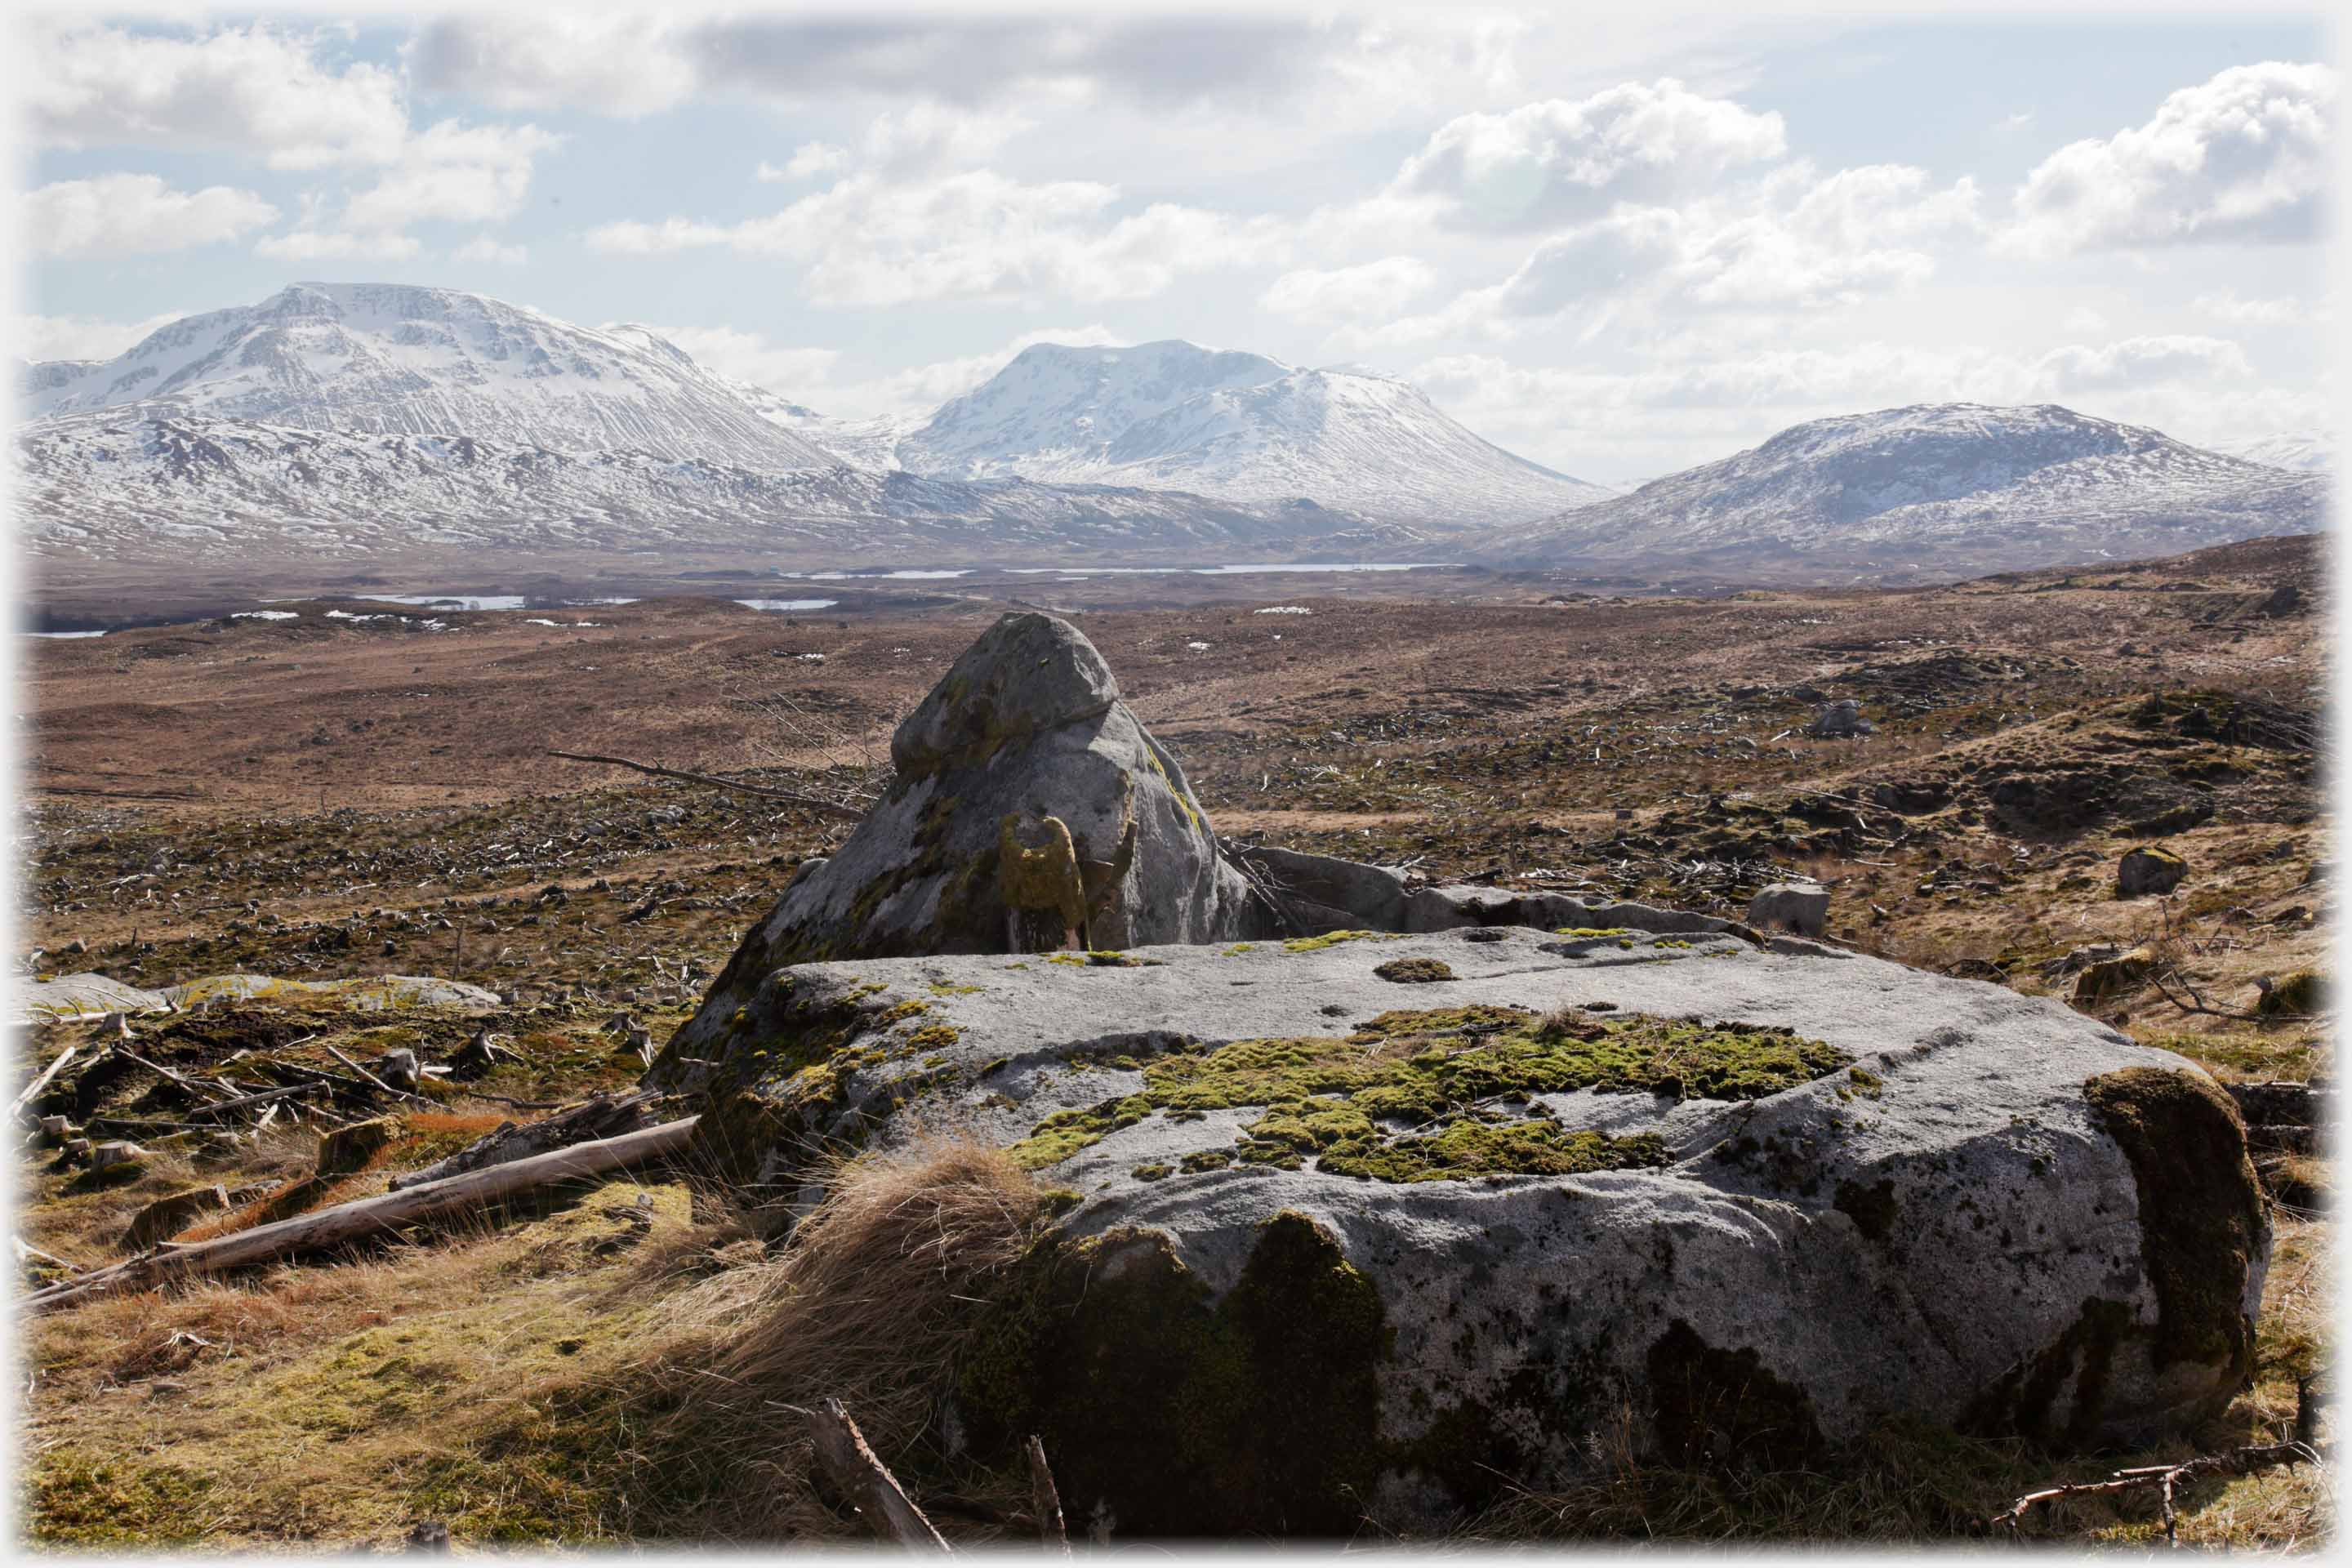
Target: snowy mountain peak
{"x": 1174, "y": 414}
{"x": 387, "y": 358}
{"x": 2304, "y": 451}
{"x": 1935, "y": 490}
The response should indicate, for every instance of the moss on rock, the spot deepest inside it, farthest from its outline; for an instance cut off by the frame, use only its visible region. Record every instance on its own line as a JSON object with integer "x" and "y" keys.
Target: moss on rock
{"x": 2203, "y": 1230}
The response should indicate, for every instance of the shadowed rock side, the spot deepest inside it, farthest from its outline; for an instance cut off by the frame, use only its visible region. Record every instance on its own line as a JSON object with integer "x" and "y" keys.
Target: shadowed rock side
{"x": 1031, "y": 812}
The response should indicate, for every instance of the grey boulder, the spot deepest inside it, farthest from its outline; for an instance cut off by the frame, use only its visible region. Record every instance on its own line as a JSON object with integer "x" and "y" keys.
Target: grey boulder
{"x": 1799, "y": 907}
{"x": 1333, "y": 1247}
{"x": 1031, "y": 811}
{"x": 1840, "y": 719}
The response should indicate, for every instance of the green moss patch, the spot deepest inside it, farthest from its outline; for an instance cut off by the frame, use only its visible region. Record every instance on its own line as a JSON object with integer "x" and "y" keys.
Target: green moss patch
{"x": 1446, "y": 1093}
{"x": 1414, "y": 970}
{"x": 1334, "y": 938}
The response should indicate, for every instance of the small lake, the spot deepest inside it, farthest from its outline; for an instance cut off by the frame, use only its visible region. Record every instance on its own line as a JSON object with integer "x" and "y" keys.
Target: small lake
{"x": 788, "y": 606}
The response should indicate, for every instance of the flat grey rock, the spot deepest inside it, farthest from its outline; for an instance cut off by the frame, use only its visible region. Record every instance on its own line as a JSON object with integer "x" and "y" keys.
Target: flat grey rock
{"x": 1763, "y": 1193}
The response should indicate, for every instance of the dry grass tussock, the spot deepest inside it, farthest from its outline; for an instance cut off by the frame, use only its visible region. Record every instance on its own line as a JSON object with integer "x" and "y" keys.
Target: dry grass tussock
{"x": 874, "y": 1302}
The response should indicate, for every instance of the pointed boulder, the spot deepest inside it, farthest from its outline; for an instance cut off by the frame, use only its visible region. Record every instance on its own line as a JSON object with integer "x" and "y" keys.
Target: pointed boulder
{"x": 1031, "y": 811}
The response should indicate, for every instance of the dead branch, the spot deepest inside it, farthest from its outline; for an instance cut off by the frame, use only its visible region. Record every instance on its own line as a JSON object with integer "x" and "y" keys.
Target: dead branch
{"x": 399, "y": 1093}
{"x": 2196, "y": 1004}
{"x": 40, "y": 1083}
{"x": 2244, "y": 1461}
{"x": 711, "y": 781}
{"x": 869, "y": 1484}
{"x": 366, "y": 1216}
{"x": 1046, "y": 1502}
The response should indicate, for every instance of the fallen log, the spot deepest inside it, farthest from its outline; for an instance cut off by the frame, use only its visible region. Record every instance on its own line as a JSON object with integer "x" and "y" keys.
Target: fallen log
{"x": 865, "y": 1481}
{"x": 605, "y": 1116}
{"x": 366, "y": 1216}
{"x": 42, "y": 1082}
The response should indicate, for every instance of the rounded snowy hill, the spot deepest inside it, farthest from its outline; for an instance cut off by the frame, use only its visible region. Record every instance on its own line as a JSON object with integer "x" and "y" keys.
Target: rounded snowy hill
{"x": 393, "y": 359}
{"x": 1172, "y": 415}
{"x": 1933, "y": 490}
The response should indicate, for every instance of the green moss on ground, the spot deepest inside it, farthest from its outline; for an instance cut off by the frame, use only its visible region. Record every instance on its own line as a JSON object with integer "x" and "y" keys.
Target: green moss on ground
{"x": 1414, "y": 970}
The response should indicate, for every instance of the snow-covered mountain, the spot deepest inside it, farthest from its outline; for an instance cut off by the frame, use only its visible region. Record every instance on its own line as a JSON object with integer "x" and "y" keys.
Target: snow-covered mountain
{"x": 1236, "y": 424}
{"x": 2304, "y": 451}
{"x": 390, "y": 358}
{"x": 134, "y": 485}
{"x": 1930, "y": 491}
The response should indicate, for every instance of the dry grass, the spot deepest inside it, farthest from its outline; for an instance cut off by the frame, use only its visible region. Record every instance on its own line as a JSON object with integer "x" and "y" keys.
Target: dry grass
{"x": 873, "y": 1303}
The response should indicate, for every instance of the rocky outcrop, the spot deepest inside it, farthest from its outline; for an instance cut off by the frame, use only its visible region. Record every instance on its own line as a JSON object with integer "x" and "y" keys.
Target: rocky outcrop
{"x": 1332, "y": 1245}
{"x": 1031, "y": 811}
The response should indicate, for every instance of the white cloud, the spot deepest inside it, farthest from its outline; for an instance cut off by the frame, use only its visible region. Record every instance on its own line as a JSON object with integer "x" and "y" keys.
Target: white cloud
{"x": 118, "y": 214}
{"x": 628, "y": 65}
{"x": 809, "y": 160}
{"x": 2083, "y": 319}
{"x": 1796, "y": 240}
{"x": 2244, "y": 156}
{"x": 463, "y": 173}
{"x": 1375, "y": 289}
{"x": 251, "y": 90}
{"x": 2227, "y": 306}
{"x": 1562, "y": 161}
{"x": 322, "y": 245}
{"x": 483, "y": 247}
{"x": 39, "y": 338}
{"x": 972, "y": 236}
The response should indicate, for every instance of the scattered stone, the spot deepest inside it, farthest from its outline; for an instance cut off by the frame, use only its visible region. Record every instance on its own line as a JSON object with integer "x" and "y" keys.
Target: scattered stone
{"x": 2105, "y": 979}
{"x": 348, "y": 1149}
{"x": 1840, "y": 719}
{"x": 397, "y": 1069}
{"x": 167, "y": 1217}
{"x": 2145, "y": 870}
{"x": 1799, "y": 907}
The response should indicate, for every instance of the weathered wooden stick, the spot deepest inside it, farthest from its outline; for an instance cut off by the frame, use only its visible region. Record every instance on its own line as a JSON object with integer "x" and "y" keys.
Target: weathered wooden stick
{"x": 189, "y": 1084}
{"x": 2237, "y": 1462}
{"x": 864, "y": 1479}
{"x": 1046, "y": 1502}
{"x": 379, "y": 1083}
{"x": 814, "y": 802}
{"x": 368, "y": 1216}
{"x": 241, "y": 1101}
{"x": 41, "y": 1082}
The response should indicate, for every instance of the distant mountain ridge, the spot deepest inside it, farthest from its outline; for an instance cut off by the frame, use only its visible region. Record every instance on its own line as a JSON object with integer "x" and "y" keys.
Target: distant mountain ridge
{"x": 1930, "y": 489}
{"x": 133, "y": 485}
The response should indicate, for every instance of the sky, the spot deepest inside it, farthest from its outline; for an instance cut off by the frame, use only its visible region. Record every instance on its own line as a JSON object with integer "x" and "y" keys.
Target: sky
{"x": 1617, "y": 243}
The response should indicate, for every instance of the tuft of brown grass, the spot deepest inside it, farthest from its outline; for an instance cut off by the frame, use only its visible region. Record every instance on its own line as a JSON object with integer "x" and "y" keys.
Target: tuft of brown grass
{"x": 873, "y": 1301}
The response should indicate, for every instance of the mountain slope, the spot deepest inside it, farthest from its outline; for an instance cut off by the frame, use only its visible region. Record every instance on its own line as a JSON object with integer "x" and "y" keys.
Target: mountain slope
{"x": 1235, "y": 425}
{"x": 2303, "y": 451}
{"x": 134, "y": 485}
{"x": 390, "y": 358}
{"x": 1932, "y": 490}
